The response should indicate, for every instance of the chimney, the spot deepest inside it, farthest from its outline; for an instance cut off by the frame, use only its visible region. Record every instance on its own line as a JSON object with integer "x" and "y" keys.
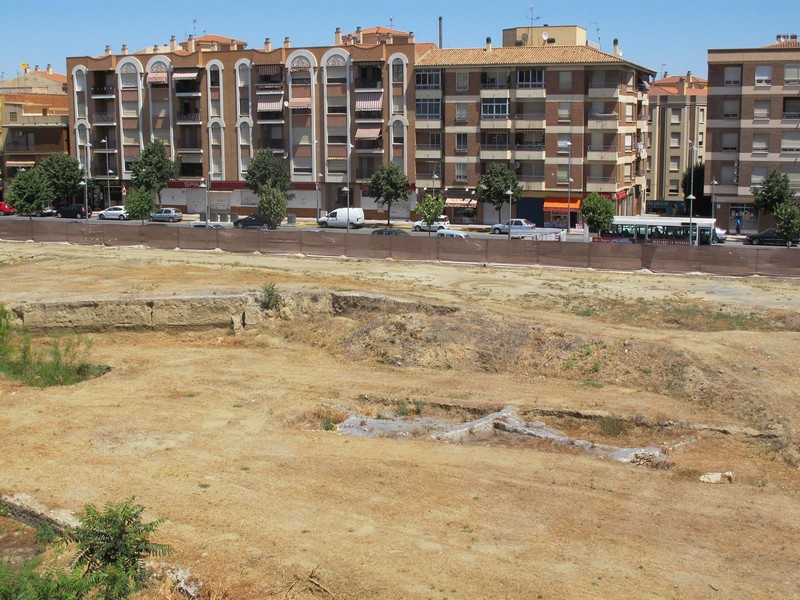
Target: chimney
{"x": 681, "y": 86}
{"x": 778, "y": 37}
{"x": 267, "y": 44}
{"x": 488, "y": 44}
{"x": 615, "y": 52}
{"x": 156, "y": 48}
{"x": 411, "y": 38}
{"x": 337, "y": 37}
{"x": 287, "y": 43}
{"x": 191, "y": 43}
{"x": 124, "y": 49}
{"x": 359, "y": 35}
{"x": 108, "y": 50}
{"x": 689, "y": 78}
{"x": 173, "y": 44}
{"x": 36, "y": 69}
{"x": 793, "y": 37}
{"x": 49, "y": 69}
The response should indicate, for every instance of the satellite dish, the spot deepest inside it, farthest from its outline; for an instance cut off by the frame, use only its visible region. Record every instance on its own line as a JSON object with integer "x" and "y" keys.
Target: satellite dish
{"x": 545, "y": 36}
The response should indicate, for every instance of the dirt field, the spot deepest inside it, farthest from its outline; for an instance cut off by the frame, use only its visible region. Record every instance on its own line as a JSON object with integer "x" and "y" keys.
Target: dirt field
{"x": 223, "y": 435}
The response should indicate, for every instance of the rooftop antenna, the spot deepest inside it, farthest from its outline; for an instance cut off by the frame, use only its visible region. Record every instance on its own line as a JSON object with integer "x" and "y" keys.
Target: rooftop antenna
{"x": 532, "y": 19}
{"x": 194, "y": 27}
{"x": 391, "y": 23}
{"x": 663, "y": 72}
{"x": 597, "y": 29}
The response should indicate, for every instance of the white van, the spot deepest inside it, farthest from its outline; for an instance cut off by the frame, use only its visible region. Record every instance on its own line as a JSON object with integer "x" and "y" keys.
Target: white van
{"x": 338, "y": 218}
{"x": 452, "y": 233}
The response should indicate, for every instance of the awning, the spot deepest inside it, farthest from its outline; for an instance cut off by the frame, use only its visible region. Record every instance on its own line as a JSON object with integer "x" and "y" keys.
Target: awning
{"x": 185, "y": 75}
{"x": 300, "y": 103}
{"x": 459, "y": 202}
{"x": 372, "y": 132}
{"x": 156, "y": 78}
{"x": 369, "y": 101}
{"x": 559, "y": 205}
{"x": 268, "y": 69}
{"x": 270, "y": 103}
{"x": 20, "y": 163}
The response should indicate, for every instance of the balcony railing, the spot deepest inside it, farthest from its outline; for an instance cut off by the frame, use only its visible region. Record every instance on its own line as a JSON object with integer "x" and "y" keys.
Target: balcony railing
{"x": 189, "y": 116}
{"x": 103, "y": 90}
{"x": 495, "y": 116}
{"x": 428, "y": 117}
{"x": 429, "y": 146}
{"x": 104, "y": 117}
{"x": 495, "y": 146}
{"x": 791, "y": 115}
{"x": 603, "y": 84}
{"x": 527, "y": 85}
{"x": 369, "y": 84}
{"x": 530, "y": 146}
{"x": 494, "y": 85}
{"x": 269, "y": 87}
{"x": 531, "y": 116}
{"x": 602, "y": 148}
{"x": 601, "y": 180}
{"x": 612, "y": 116}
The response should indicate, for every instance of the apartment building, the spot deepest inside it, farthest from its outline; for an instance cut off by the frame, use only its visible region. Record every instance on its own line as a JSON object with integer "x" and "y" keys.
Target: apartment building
{"x": 677, "y": 138}
{"x": 753, "y": 126}
{"x": 33, "y": 119}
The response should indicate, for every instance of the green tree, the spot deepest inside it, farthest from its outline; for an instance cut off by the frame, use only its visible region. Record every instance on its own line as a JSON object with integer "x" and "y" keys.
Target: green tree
{"x": 430, "y": 209}
{"x": 694, "y": 185}
{"x": 64, "y": 174}
{"x": 152, "y": 169}
{"x": 139, "y": 203}
{"x": 272, "y": 205}
{"x": 597, "y": 212}
{"x": 787, "y": 221}
{"x": 493, "y": 186}
{"x": 267, "y": 169}
{"x": 112, "y": 542}
{"x": 773, "y": 191}
{"x": 29, "y": 192}
{"x": 388, "y": 185}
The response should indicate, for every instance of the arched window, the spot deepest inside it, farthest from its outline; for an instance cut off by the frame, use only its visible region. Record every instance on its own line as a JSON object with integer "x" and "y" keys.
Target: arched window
{"x": 129, "y": 76}
{"x": 244, "y": 75}
{"x": 398, "y": 133}
{"x": 244, "y": 134}
{"x": 398, "y": 72}
{"x": 214, "y": 78}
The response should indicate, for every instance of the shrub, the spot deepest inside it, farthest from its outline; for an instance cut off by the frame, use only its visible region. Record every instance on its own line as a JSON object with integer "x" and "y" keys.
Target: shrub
{"x": 269, "y": 297}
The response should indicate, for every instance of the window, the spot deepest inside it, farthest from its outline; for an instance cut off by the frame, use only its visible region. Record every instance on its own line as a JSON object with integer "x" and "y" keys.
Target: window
{"x": 757, "y": 176}
{"x": 530, "y": 78}
{"x": 461, "y": 171}
{"x": 761, "y": 109}
{"x": 701, "y": 115}
{"x": 216, "y": 134}
{"x": 461, "y": 142}
{"x": 791, "y": 75}
{"x": 763, "y": 76}
{"x": 495, "y": 140}
{"x": 790, "y": 142}
{"x": 727, "y": 175}
{"x": 244, "y": 76}
{"x": 337, "y": 105}
{"x": 435, "y": 139}
{"x": 674, "y": 164}
{"x": 791, "y": 108}
{"x": 675, "y": 116}
{"x": 129, "y": 78}
{"x": 565, "y": 80}
{"x": 13, "y": 116}
{"x": 213, "y": 76}
{"x": 397, "y": 71}
{"x": 733, "y": 76}
{"x": 730, "y": 108}
{"x": 398, "y": 133}
{"x": 675, "y": 140}
{"x": 627, "y": 172}
{"x": 730, "y": 142}
{"x": 674, "y": 186}
{"x": 130, "y": 108}
{"x": 494, "y": 108}
{"x": 428, "y": 79}
{"x": 628, "y": 142}
{"x": 335, "y": 74}
{"x": 629, "y": 112}
{"x": 564, "y": 111}
{"x": 760, "y": 143}
{"x": 429, "y": 108}
{"x": 701, "y": 136}
{"x": 461, "y": 112}
{"x": 462, "y": 82}
{"x": 397, "y": 105}
{"x": 564, "y": 143}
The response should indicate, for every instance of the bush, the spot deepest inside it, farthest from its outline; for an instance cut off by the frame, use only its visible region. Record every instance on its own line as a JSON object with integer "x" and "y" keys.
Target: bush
{"x": 269, "y": 297}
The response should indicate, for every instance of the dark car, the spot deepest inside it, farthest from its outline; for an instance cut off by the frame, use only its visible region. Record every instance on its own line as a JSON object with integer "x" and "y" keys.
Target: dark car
{"x": 254, "y": 221}
{"x": 389, "y": 232}
{"x": 771, "y": 237}
{"x": 73, "y": 211}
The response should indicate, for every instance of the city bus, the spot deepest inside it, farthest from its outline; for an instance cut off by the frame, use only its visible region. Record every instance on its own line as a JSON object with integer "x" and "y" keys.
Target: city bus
{"x": 659, "y": 230}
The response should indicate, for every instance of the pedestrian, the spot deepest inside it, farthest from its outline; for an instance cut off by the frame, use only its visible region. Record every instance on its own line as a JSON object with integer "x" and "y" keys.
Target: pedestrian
{"x": 738, "y": 226}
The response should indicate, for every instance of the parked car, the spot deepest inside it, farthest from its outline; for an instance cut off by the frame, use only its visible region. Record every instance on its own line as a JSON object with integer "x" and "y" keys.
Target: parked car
{"x": 47, "y": 211}
{"x": 73, "y": 211}
{"x": 6, "y": 209}
{"x": 204, "y": 225}
{"x": 114, "y": 212}
{"x": 339, "y": 218}
{"x": 520, "y": 226}
{"x": 169, "y": 215}
{"x": 390, "y": 232}
{"x": 442, "y": 222}
{"x": 254, "y": 221}
{"x": 771, "y": 237}
{"x": 452, "y": 233}
{"x": 720, "y": 234}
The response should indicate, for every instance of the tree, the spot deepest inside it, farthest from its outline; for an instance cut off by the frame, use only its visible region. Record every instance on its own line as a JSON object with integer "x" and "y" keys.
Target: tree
{"x": 597, "y": 212}
{"x": 787, "y": 221}
{"x": 388, "y": 185}
{"x": 272, "y": 205}
{"x": 29, "y": 192}
{"x": 493, "y": 186}
{"x": 694, "y": 185}
{"x": 773, "y": 191}
{"x": 139, "y": 203}
{"x": 430, "y": 209}
{"x": 152, "y": 169}
{"x": 267, "y": 169}
{"x": 64, "y": 174}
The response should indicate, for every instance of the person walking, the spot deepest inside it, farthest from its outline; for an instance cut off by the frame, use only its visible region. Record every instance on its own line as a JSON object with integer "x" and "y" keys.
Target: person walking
{"x": 738, "y": 226}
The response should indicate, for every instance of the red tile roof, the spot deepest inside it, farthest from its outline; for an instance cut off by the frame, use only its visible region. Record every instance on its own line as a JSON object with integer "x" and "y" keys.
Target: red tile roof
{"x": 673, "y": 79}
{"x": 218, "y": 38}
{"x": 784, "y": 44}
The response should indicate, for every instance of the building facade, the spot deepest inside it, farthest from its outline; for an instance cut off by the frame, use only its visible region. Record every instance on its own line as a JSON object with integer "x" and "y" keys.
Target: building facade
{"x": 677, "y": 139}
{"x": 568, "y": 119}
{"x": 753, "y": 126}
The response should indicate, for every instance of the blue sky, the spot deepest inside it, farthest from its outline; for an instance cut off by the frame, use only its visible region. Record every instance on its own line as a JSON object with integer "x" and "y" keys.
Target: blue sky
{"x": 670, "y": 35}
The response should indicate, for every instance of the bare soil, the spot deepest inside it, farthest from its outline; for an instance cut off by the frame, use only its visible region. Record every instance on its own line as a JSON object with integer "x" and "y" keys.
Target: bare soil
{"x": 223, "y": 435}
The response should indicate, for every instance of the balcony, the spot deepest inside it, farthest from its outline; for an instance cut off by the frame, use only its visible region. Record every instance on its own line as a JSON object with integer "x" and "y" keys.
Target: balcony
{"x": 530, "y": 120}
{"x": 369, "y": 83}
{"x": 495, "y": 152}
{"x": 495, "y": 121}
{"x": 531, "y": 182}
{"x": 601, "y": 184}
{"x": 603, "y": 90}
{"x": 269, "y": 88}
{"x": 603, "y": 121}
{"x": 104, "y": 118}
{"x": 188, "y": 118}
{"x": 494, "y": 84}
{"x": 791, "y": 116}
{"x": 429, "y": 151}
{"x": 602, "y": 153}
{"x": 103, "y": 91}
{"x": 369, "y": 146}
{"x": 529, "y": 151}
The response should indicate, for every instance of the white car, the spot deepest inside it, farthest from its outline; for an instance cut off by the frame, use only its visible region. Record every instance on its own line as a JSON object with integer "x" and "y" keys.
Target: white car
{"x": 442, "y": 222}
{"x": 518, "y": 226}
{"x": 114, "y": 212}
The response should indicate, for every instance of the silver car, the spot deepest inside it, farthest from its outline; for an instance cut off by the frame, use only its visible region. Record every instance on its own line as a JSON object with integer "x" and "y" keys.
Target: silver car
{"x": 113, "y": 212}
{"x": 169, "y": 215}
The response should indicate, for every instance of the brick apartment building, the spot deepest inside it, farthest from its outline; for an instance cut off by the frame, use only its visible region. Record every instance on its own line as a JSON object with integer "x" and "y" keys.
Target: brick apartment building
{"x": 677, "y": 138}
{"x": 336, "y": 113}
{"x": 753, "y": 125}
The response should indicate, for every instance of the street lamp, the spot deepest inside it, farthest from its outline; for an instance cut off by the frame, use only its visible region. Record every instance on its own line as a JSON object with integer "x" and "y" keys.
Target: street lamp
{"x": 205, "y": 186}
{"x": 691, "y": 198}
{"x": 569, "y": 187}
{"x": 86, "y": 182}
{"x": 435, "y": 178}
{"x": 108, "y": 179}
{"x": 85, "y": 187}
{"x": 510, "y": 195}
{"x": 346, "y": 190}
{"x": 713, "y": 197}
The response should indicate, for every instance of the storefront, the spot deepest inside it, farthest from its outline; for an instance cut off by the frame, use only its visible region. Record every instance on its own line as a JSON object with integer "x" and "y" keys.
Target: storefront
{"x": 461, "y": 210}
{"x": 557, "y": 209}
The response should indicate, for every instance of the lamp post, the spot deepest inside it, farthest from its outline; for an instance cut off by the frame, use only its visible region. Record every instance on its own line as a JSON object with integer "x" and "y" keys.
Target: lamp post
{"x": 713, "y": 197}
{"x": 435, "y": 178}
{"x": 108, "y": 179}
{"x": 510, "y": 195}
{"x": 690, "y": 197}
{"x": 85, "y": 196}
{"x": 86, "y": 182}
{"x": 205, "y": 185}
{"x": 569, "y": 187}
{"x": 346, "y": 190}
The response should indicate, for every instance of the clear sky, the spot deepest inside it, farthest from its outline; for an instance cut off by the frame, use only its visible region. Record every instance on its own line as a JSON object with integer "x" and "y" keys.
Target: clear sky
{"x": 671, "y": 35}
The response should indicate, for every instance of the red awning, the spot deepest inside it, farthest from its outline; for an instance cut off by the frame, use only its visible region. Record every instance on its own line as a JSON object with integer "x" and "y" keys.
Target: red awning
{"x": 372, "y": 132}
{"x": 270, "y": 103}
{"x": 157, "y": 78}
{"x": 369, "y": 101}
{"x": 559, "y": 205}
{"x": 185, "y": 75}
{"x": 300, "y": 103}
